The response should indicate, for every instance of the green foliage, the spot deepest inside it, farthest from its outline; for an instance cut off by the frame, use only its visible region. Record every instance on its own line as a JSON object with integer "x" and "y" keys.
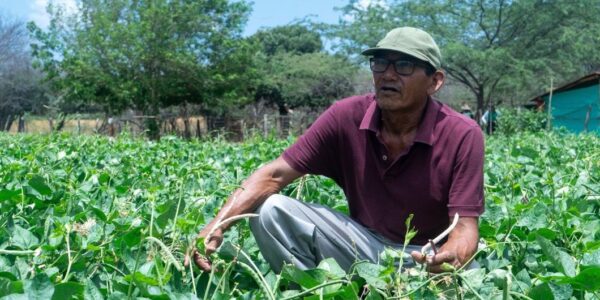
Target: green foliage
{"x": 294, "y": 39}
{"x": 146, "y": 54}
{"x": 21, "y": 89}
{"x": 515, "y": 120}
{"x": 311, "y": 79}
{"x": 498, "y": 49}
{"x": 295, "y": 72}
{"x": 91, "y": 217}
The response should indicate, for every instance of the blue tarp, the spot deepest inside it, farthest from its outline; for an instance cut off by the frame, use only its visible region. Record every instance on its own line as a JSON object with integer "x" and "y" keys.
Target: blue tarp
{"x": 570, "y": 108}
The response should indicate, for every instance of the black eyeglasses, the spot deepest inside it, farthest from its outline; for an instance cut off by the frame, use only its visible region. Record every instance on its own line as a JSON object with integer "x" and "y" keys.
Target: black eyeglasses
{"x": 402, "y": 67}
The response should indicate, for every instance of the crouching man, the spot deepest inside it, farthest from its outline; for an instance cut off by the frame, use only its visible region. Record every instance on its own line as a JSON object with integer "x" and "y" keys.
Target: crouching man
{"x": 396, "y": 152}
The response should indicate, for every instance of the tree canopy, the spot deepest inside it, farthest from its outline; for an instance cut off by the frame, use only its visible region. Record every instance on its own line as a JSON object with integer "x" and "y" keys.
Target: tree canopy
{"x": 498, "y": 49}
{"x": 20, "y": 87}
{"x": 147, "y": 54}
{"x": 296, "y": 72}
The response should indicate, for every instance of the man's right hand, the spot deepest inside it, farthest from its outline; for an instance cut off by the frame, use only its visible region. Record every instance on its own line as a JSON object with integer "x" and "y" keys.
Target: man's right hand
{"x": 267, "y": 180}
{"x": 210, "y": 246}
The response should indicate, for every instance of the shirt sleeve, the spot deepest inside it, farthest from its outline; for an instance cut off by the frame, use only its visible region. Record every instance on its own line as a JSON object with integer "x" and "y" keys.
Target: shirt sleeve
{"x": 314, "y": 152}
{"x": 466, "y": 190}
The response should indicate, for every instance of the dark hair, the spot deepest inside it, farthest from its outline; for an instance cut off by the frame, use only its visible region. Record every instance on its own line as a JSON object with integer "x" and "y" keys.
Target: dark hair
{"x": 429, "y": 69}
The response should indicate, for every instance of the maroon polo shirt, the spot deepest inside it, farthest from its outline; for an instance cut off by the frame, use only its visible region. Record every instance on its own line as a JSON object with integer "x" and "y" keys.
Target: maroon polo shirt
{"x": 438, "y": 175}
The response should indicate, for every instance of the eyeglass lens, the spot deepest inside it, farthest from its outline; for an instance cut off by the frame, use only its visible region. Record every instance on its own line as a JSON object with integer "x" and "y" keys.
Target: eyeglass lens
{"x": 402, "y": 67}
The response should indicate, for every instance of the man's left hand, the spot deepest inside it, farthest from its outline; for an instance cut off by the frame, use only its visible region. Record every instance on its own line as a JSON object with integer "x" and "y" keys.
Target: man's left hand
{"x": 434, "y": 262}
{"x": 458, "y": 249}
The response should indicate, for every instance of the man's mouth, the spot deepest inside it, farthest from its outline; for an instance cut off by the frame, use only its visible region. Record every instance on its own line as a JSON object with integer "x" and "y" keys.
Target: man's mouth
{"x": 389, "y": 89}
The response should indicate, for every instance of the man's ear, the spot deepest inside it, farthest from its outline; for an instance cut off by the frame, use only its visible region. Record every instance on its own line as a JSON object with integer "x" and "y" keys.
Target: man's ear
{"x": 437, "y": 81}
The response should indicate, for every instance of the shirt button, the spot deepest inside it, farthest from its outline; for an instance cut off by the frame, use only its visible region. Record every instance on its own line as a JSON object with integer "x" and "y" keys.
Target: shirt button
{"x": 384, "y": 157}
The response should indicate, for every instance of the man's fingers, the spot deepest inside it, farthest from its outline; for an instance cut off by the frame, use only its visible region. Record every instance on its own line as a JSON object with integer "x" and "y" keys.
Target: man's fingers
{"x": 442, "y": 257}
{"x": 418, "y": 257}
{"x": 441, "y": 262}
{"x": 202, "y": 262}
{"x": 212, "y": 245}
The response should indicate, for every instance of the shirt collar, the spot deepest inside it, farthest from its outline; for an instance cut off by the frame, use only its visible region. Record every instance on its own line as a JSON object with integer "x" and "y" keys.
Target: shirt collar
{"x": 372, "y": 120}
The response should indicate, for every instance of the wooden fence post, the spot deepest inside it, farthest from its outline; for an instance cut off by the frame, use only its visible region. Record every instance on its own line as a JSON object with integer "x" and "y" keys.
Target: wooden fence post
{"x": 265, "y": 128}
{"x": 588, "y": 115}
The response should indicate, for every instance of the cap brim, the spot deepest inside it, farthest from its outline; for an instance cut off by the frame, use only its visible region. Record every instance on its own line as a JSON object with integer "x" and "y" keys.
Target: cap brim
{"x": 374, "y": 50}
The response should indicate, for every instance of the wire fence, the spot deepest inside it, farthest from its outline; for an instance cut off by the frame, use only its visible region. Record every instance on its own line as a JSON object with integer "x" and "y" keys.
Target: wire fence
{"x": 234, "y": 128}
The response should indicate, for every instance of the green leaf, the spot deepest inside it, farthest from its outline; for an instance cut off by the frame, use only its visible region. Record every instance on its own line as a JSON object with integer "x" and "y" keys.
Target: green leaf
{"x": 8, "y": 194}
{"x": 550, "y": 291}
{"x": 304, "y": 279}
{"x": 133, "y": 237}
{"x": 99, "y": 213}
{"x": 371, "y": 273}
{"x": 39, "y": 184}
{"x": 39, "y": 287}
{"x": 474, "y": 277}
{"x": 8, "y": 287}
{"x": 16, "y": 297}
{"x": 163, "y": 219}
{"x": 23, "y": 238}
{"x": 332, "y": 268}
{"x": 562, "y": 261}
{"x": 588, "y": 279}
{"x": 9, "y": 276}
{"x": 541, "y": 292}
{"x": 141, "y": 278}
{"x": 68, "y": 290}
{"x": 591, "y": 259}
{"x": 373, "y": 294}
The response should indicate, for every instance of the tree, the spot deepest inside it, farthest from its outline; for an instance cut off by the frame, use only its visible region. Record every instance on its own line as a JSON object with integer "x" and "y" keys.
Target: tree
{"x": 20, "y": 88}
{"x": 146, "y": 54}
{"x": 496, "y": 48}
{"x": 306, "y": 80}
{"x": 293, "y": 38}
{"x": 296, "y": 72}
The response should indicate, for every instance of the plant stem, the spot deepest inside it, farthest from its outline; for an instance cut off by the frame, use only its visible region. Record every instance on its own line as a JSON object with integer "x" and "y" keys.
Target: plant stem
{"x": 456, "y": 287}
{"x": 193, "y": 279}
{"x": 419, "y": 287}
{"x": 210, "y": 277}
{"x": 471, "y": 289}
{"x": 17, "y": 252}
{"x": 260, "y": 276}
{"x": 137, "y": 262}
{"x": 226, "y": 221}
{"x": 173, "y": 236}
{"x": 68, "y": 227}
{"x": 167, "y": 251}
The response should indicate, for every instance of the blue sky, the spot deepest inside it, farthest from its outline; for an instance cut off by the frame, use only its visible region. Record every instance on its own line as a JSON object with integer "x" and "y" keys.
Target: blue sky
{"x": 266, "y": 13}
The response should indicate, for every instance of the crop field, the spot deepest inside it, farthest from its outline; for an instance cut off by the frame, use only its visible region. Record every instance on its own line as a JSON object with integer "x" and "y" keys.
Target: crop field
{"x": 87, "y": 217}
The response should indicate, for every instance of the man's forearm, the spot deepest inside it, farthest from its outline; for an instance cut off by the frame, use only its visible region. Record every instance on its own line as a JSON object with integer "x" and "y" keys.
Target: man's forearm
{"x": 266, "y": 181}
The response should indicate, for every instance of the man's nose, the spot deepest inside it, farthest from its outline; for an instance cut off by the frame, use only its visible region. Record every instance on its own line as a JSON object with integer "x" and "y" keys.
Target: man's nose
{"x": 390, "y": 73}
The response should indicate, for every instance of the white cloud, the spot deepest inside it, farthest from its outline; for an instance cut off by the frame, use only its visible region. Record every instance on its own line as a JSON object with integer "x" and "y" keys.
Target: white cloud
{"x": 40, "y": 16}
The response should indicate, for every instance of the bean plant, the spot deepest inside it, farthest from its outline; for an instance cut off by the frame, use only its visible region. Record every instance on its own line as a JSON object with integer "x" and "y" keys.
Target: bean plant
{"x": 91, "y": 217}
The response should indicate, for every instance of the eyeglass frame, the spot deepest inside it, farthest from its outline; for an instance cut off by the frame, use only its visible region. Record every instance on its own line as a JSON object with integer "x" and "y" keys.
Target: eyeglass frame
{"x": 428, "y": 68}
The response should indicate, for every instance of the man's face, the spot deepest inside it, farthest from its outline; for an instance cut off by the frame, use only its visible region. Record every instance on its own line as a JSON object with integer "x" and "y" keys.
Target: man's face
{"x": 396, "y": 92}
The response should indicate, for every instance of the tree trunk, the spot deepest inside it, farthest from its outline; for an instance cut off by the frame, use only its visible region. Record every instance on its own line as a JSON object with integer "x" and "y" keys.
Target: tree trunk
{"x": 6, "y": 122}
{"x": 21, "y": 126}
{"x": 480, "y": 108}
{"x": 186, "y": 122}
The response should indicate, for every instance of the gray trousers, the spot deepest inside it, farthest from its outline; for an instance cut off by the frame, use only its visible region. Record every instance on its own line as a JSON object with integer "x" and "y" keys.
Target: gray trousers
{"x": 290, "y": 231}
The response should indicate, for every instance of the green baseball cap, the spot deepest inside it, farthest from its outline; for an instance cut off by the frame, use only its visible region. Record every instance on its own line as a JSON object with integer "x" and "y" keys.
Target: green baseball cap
{"x": 412, "y": 41}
